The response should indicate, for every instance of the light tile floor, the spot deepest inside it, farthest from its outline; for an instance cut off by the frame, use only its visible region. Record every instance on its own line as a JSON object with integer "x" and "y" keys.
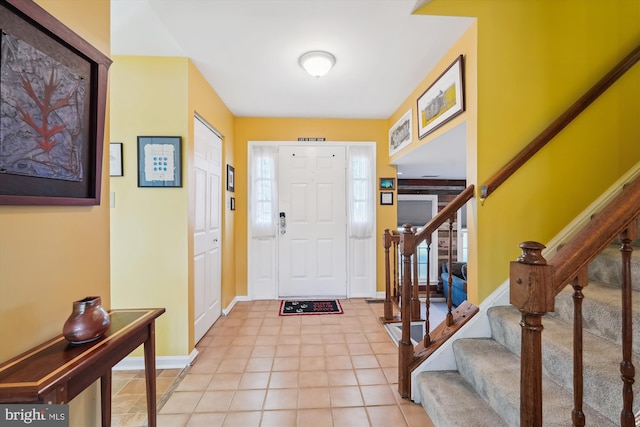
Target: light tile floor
{"x": 256, "y": 368}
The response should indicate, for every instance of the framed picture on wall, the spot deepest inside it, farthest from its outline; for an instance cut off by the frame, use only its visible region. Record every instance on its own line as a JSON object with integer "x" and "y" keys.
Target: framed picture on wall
{"x": 442, "y": 101}
{"x": 53, "y": 89}
{"x": 386, "y": 197}
{"x": 387, "y": 183}
{"x": 400, "y": 134}
{"x": 231, "y": 182}
{"x": 159, "y": 161}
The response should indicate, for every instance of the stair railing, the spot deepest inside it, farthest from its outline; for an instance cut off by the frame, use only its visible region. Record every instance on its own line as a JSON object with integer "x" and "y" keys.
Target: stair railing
{"x": 409, "y": 240}
{"x": 535, "y": 282}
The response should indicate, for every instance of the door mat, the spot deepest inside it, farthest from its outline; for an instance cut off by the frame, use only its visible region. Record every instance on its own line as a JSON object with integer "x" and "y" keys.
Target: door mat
{"x": 293, "y": 308}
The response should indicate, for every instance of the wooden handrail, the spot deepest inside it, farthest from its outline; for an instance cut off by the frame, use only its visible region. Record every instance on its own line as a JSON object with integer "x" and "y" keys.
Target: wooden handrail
{"x": 445, "y": 214}
{"x": 560, "y": 123}
{"x": 596, "y": 235}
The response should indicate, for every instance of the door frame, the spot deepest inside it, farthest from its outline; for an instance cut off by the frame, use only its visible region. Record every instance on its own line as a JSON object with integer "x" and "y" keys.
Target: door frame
{"x": 262, "y": 267}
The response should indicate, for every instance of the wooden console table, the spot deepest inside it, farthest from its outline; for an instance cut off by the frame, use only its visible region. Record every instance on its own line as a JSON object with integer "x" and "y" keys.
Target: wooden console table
{"x": 57, "y": 371}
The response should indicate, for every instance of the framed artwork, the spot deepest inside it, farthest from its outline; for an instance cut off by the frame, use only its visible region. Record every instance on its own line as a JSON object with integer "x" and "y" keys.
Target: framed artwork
{"x": 400, "y": 134}
{"x": 115, "y": 159}
{"x": 231, "y": 182}
{"x": 387, "y": 183}
{"x": 232, "y": 204}
{"x": 442, "y": 101}
{"x": 53, "y": 87}
{"x": 159, "y": 161}
{"x": 386, "y": 197}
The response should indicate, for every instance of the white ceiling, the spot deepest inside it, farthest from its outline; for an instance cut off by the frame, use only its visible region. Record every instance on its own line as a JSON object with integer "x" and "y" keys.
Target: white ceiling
{"x": 248, "y": 51}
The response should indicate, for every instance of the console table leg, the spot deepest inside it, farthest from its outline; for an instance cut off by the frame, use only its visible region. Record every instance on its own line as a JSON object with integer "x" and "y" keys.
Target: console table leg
{"x": 105, "y": 398}
{"x": 150, "y": 374}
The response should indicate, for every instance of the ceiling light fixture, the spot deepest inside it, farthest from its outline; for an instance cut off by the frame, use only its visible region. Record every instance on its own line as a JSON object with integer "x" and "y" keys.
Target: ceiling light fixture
{"x": 317, "y": 63}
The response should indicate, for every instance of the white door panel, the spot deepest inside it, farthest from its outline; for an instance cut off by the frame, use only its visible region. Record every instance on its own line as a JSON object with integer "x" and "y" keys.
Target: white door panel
{"x": 206, "y": 237}
{"x": 312, "y": 249}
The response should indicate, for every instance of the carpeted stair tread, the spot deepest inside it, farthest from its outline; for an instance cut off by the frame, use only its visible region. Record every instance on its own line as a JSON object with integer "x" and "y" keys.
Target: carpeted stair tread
{"x": 606, "y": 268}
{"x": 602, "y": 384}
{"x": 442, "y": 390}
{"x": 601, "y": 309}
{"x": 493, "y": 372}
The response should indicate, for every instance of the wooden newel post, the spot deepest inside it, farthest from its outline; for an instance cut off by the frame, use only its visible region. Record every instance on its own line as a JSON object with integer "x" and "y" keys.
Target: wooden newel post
{"x": 532, "y": 291}
{"x": 388, "y": 305}
{"x": 405, "y": 347}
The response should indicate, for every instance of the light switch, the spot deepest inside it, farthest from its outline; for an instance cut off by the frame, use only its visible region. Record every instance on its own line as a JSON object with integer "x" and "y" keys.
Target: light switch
{"x": 112, "y": 199}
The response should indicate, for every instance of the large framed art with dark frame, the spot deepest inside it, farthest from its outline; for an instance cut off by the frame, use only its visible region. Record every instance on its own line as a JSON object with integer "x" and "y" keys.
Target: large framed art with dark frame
{"x": 53, "y": 92}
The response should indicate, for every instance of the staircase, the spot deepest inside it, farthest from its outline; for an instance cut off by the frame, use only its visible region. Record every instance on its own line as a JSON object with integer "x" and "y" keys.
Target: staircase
{"x": 485, "y": 390}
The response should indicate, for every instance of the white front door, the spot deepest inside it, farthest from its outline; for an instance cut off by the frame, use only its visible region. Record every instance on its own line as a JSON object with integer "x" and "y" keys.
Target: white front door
{"x": 312, "y": 211}
{"x": 206, "y": 234}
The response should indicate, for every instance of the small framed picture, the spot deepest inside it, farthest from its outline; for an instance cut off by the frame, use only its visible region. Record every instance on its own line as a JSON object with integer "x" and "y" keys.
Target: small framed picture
{"x": 387, "y": 183}
{"x": 386, "y": 197}
{"x": 400, "y": 134}
{"x": 159, "y": 161}
{"x": 115, "y": 159}
{"x": 231, "y": 182}
{"x": 232, "y": 204}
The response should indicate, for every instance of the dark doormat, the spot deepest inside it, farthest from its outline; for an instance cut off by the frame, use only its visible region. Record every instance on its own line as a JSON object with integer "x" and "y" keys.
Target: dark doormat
{"x": 293, "y": 308}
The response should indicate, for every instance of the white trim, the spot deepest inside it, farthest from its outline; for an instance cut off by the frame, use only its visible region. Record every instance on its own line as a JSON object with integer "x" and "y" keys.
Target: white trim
{"x": 236, "y": 299}
{"x": 162, "y": 362}
{"x": 267, "y": 288}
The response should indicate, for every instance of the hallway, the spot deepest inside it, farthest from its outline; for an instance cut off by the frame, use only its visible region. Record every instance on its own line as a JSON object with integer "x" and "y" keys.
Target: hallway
{"x": 256, "y": 368}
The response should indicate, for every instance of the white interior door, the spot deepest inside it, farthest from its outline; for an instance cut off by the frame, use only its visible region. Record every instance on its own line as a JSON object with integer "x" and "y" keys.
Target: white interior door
{"x": 312, "y": 208}
{"x": 206, "y": 235}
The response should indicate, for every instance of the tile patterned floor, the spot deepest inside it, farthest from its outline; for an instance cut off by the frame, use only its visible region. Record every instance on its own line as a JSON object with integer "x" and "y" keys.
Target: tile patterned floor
{"x": 256, "y": 368}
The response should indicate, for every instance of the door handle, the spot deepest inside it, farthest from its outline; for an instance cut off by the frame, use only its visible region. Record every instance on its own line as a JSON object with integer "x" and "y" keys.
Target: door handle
{"x": 283, "y": 223}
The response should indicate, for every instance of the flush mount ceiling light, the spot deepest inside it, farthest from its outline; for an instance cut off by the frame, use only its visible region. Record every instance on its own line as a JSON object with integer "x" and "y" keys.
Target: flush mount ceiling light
{"x": 317, "y": 63}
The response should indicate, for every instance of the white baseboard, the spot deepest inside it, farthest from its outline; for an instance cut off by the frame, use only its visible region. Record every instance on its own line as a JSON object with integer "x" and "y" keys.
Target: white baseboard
{"x": 162, "y": 362}
{"x": 228, "y": 309}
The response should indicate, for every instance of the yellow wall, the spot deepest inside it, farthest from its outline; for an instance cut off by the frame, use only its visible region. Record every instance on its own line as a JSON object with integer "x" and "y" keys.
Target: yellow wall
{"x": 152, "y": 230}
{"x": 534, "y": 59}
{"x": 266, "y": 129}
{"x": 52, "y": 256}
{"x": 149, "y": 238}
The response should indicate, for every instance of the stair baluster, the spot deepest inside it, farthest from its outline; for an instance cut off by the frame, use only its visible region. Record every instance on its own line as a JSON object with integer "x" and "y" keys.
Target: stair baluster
{"x": 415, "y": 294}
{"x": 396, "y": 284}
{"x": 579, "y": 283}
{"x": 427, "y": 304}
{"x": 627, "y": 370}
{"x": 388, "y": 305}
{"x": 405, "y": 347}
{"x": 450, "y": 280}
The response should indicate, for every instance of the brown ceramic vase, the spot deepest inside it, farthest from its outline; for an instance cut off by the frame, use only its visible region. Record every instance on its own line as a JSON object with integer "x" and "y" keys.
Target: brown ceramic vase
{"x": 88, "y": 321}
